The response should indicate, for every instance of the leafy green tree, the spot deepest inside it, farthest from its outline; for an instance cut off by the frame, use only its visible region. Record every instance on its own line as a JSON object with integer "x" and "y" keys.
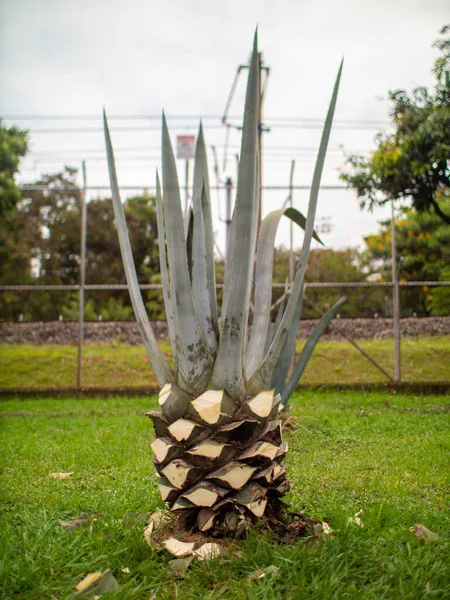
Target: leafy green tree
{"x": 329, "y": 266}
{"x": 42, "y": 245}
{"x": 13, "y": 146}
{"x": 423, "y": 246}
{"x": 412, "y": 163}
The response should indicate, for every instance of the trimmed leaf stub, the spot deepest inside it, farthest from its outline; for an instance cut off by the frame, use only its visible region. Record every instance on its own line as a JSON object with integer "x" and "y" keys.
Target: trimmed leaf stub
{"x": 261, "y": 405}
{"x": 173, "y": 402}
{"x": 211, "y": 406}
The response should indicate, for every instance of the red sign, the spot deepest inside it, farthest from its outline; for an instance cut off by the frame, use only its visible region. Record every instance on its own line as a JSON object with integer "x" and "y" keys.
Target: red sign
{"x": 185, "y": 146}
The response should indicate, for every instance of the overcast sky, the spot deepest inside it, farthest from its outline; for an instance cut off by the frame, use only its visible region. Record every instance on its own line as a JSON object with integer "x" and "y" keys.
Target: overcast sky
{"x": 73, "y": 57}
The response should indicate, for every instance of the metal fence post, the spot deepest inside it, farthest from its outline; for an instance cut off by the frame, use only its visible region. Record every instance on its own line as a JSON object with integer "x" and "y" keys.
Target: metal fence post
{"x": 82, "y": 277}
{"x": 396, "y": 299}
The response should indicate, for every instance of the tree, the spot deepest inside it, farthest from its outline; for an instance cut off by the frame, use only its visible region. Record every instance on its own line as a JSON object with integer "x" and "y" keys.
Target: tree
{"x": 329, "y": 266}
{"x": 40, "y": 243}
{"x": 13, "y": 146}
{"x": 411, "y": 164}
{"x": 423, "y": 246}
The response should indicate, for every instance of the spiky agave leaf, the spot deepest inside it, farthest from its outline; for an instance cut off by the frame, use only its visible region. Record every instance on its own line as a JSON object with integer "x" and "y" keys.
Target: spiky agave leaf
{"x": 228, "y": 372}
{"x": 287, "y": 355}
{"x": 260, "y": 380}
{"x": 163, "y": 266}
{"x": 307, "y": 350}
{"x": 263, "y": 283}
{"x": 160, "y": 365}
{"x": 203, "y": 273}
{"x": 193, "y": 360}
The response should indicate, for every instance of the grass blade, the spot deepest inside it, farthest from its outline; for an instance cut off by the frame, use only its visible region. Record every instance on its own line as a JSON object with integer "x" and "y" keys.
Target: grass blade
{"x": 160, "y": 365}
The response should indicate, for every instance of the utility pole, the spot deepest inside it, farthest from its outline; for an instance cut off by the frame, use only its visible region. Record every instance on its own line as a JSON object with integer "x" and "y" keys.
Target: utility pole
{"x": 229, "y": 192}
{"x": 186, "y": 197}
{"x": 83, "y": 212}
{"x": 395, "y": 298}
{"x": 291, "y": 225}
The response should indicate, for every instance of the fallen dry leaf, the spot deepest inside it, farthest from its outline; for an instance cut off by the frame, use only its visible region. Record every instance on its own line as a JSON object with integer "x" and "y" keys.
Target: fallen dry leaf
{"x": 81, "y": 520}
{"x": 261, "y": 573}
{"x": 356, "y": 519}
{"x": 125, "y": 570}
{"x": 157, "y": 521}
{"x": 97, "y": 582}
{"x": 208, "y": 551}
{"x": 52, "y": 571}
{"x": 423, "y": 533}
{"x": 406, "y": 475}
{"x": 78, "y": 522}
{"x": 258, "y": 574}
{"x": 321, "y": 532}
{"x": 180, "y": 564}
{"x": 61, "y": 475}
{"x": 178, "y": 548}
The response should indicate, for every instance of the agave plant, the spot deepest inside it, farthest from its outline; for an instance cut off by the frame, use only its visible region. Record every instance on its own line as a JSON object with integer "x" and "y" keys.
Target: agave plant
{"x": 218, "y": 447}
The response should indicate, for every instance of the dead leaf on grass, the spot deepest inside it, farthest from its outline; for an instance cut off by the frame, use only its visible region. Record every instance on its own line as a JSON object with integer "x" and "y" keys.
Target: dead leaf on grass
{"x": 98, "y": 583}
{"x": 406, "y": 475}
{"x": 178, "y": 548}
{"x": 209, "y": 551}
{"x": 261, "y": 573}
{"x": 81, "y": 520}
{"x": 180, "y": 564}
{"x": 61, "y": 475}
{"x": 157, "y": 521}
{"x": 423, "y": 533}
{"x": 78, "y": 522}
{"x": 321, "y": 532}
{"x": 356, "y": 520}
{"x": 125, "y": 570}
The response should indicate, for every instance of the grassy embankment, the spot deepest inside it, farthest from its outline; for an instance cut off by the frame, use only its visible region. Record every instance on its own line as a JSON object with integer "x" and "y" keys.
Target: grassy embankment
{"x": 387, "y": 454}
{"x": 116, "y": 364}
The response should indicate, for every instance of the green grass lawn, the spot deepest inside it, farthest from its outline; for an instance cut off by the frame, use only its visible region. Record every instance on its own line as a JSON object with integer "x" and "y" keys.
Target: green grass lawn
{"x": 336, "y": 362}
{"x": 387, "y": 454}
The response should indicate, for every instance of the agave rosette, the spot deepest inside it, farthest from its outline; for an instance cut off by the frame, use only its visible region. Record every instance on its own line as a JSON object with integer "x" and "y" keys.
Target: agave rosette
{"x": 218, "y": 447}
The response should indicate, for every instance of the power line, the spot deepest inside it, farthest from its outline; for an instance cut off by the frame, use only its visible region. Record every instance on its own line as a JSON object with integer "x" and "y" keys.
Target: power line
{"x": 157, "y": 117}
{"x": 40, "y": 188}
{"x": 101, "y": 150}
